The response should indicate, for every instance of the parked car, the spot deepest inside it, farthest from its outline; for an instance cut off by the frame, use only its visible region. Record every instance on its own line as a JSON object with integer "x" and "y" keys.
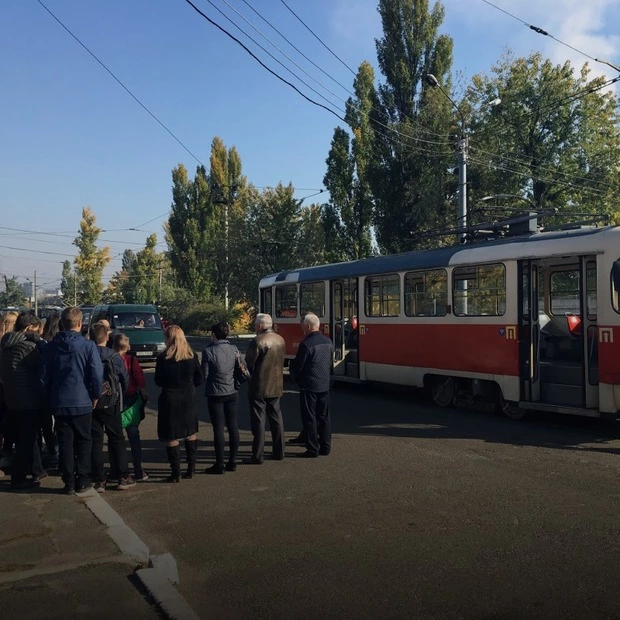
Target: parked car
{"x": 140, "y": 323}
{"x": 86, "y": 314}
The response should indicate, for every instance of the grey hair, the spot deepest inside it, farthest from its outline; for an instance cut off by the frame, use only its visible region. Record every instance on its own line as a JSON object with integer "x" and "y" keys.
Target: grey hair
{"x": 312, "y": 320}
{"x": 264, "y": 320}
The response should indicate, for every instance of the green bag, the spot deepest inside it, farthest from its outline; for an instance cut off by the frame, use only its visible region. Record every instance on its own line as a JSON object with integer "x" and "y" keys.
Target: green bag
{"x": 132, "y": 415}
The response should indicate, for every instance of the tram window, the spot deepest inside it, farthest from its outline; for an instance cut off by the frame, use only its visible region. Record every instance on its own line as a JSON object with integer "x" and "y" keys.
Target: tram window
{"x": 591, "y": 290}
{"x": 564, "y": 292}
{"x": 286, "y": 301}
{"x": 479, "y": 290}
{"x": 266, "y": 301}
{"x": 426, "y": 293}
{"x": 312, "y": 298}
{"x": 382, "y": 295}
{"x": 615, "y": 285}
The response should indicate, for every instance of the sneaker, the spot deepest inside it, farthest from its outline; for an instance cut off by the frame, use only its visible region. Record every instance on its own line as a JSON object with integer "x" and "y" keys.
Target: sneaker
{"x": 142, "y": 477}
{"x": 86, "y": 487}
{"x": 300, "y": 440}
{"x": 99, "y": 487}
{"x": 41, "y": 476}
{"x": 113, "y": 482}
{"x": 68, "y": 489}
{"x": 126, "y": 483}
{"x": 216, "y": 469}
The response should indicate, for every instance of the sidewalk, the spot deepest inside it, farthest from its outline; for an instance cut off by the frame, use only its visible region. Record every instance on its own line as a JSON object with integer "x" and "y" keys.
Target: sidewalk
{"x": 57, "y": 561}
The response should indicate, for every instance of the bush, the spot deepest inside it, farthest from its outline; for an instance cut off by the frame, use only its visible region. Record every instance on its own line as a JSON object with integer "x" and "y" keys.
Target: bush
{"x": 200, "y": 317}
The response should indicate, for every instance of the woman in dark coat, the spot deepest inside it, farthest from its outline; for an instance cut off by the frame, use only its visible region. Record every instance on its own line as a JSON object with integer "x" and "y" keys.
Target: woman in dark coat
{"x": 177, "y": 372}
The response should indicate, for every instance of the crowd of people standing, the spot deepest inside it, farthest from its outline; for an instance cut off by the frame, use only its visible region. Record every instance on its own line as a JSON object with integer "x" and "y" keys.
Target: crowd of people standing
{"x": 68, "y": 391}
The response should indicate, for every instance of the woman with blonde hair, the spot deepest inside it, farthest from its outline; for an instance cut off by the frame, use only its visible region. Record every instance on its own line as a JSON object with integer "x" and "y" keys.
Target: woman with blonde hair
{"x": 177, "y": 372}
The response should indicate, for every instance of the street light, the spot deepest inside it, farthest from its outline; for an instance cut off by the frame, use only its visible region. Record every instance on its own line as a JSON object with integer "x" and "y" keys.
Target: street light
{"x": 462, "y": 149}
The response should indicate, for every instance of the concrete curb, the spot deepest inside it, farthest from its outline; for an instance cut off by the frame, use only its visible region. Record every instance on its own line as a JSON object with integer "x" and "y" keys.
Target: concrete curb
{"x": 162, "y": 572}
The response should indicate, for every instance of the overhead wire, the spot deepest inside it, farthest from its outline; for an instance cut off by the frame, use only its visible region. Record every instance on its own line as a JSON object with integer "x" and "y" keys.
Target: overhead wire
{"x": 301, "y": 21}
{"x": 122, "y": 85}
{"x": 543, "y": 32}
{"x": 279, "y": 77}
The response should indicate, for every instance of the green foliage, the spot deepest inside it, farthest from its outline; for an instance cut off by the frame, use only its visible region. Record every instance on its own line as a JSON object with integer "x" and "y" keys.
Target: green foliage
{"x": 203, "y": 220}
{"x": 68, "y": 285}
{"x": 408, "y": 173}
{"x": 550, "y": 141}
{"x": 201, "y": 317}
{"x": 90, "y": 261}
{"x": 276, "y": 233}
{"x": 12, "y": 294}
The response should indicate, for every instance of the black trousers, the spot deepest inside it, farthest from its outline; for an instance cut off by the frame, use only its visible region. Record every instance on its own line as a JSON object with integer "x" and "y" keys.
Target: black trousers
{"x": 74, "y": 433}
{"x": 27, "y": 459}
{"x": 261, "y": 408}
{"x": 110, "y": 423}
{"x": 223, "y": 412}
{"x": 315, "y": 418}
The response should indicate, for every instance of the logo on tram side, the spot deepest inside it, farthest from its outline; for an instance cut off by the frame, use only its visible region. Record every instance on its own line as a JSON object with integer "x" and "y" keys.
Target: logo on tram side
{"x": 606, "y": 335}
{"x": 511, "y": 332}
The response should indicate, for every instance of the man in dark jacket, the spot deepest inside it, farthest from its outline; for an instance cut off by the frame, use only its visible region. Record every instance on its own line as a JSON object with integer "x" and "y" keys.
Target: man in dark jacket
{"x": 265, "y": 360}
{"x": 311, "y": 369}
{"x": 109, "y": 420}
{"x": 73, "y": 376}
{"x": 20, "y": 373}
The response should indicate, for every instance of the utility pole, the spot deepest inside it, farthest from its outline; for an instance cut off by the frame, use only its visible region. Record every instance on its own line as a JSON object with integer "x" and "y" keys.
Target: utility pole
{"x": 34, "y": 293}
{"x": 74, "y": 288}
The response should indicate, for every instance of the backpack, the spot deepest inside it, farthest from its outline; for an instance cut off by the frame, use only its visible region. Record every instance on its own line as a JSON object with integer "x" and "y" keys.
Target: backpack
{"x": 111, "y": 389}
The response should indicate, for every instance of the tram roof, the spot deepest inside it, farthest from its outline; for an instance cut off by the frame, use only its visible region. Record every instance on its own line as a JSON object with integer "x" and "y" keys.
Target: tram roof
{"x": 423, "y": 259}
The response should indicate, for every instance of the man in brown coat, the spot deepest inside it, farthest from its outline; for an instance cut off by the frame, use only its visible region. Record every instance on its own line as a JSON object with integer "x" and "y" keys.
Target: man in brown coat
{"x": 265, "y": 360}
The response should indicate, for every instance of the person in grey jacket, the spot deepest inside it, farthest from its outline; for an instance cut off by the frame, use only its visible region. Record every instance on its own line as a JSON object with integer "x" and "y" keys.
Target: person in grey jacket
{"x": 311, "y": 369}
{"x": 265, "y": 360}
{"x": 218, "y": 368}
{"x": 21, "y": 368}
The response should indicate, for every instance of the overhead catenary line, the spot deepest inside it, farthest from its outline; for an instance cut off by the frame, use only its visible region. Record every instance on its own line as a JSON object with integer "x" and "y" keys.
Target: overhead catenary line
{"x": 151, "y": 114}
{"x": 543, "y": 32}
{"x": 301, "y": 21}
{"x": 279, "y": 77}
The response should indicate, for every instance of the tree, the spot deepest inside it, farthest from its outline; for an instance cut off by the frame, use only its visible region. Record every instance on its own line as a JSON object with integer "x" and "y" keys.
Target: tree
{"x": 348, "y": 215}
{"x": 278, "y": 233}
{"x": 408, "y": 170}
{"x": 68, "y": 284}
{"x": 554, "y": 140}
{"x": 90, "y": 261}
{"x": 203, "y": 222}
{"x": 13, "y": 295}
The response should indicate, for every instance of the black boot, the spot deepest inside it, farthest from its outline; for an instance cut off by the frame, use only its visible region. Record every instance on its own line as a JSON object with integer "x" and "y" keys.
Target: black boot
{"x": 174, "y": 458}
{"x": 191, "y": 452}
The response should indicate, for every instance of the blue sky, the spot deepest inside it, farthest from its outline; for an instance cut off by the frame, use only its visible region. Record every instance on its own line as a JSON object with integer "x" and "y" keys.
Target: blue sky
{"x": 72, "y": 137}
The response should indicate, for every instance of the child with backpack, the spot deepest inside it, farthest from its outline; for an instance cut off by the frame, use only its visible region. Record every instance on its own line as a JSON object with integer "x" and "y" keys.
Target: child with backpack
{"x": 107, "y": 417}
{"x": 135, "y": 399}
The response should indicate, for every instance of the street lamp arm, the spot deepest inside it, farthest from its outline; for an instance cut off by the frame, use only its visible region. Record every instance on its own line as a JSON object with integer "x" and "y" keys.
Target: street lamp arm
{"x": 431, "y": 80}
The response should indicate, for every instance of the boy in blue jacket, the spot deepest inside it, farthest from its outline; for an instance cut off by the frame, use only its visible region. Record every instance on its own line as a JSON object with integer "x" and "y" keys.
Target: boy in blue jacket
{"x": 73, "y": 376}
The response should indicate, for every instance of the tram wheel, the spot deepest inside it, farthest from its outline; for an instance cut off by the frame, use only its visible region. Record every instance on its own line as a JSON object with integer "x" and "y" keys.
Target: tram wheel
{"x": 442, "y": 389}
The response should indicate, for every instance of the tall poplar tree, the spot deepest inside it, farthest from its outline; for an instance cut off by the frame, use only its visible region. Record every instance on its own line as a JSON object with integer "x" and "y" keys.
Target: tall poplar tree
{"x": 90, "y": 261}
{"x": 409, "y": 171}
{"x": 348, "y": 215}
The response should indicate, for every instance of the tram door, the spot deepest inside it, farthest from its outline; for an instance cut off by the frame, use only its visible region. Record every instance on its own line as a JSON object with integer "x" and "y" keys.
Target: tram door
{"x": 529, "y": 331}
{"x": 344, "y": 327}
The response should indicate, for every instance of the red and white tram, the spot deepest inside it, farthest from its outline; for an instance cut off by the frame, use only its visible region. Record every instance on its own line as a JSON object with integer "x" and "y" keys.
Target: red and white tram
{"x": 532, "y": 322}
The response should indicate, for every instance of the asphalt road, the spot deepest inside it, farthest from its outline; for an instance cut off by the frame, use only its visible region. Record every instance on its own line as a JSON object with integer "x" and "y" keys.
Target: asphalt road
{"x": 419, "y": 512}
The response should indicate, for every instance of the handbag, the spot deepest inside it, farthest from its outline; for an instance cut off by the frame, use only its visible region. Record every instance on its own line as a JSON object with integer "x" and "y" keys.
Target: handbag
{"x": 241, "y": 374}
{"x": 132, "y": 415}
